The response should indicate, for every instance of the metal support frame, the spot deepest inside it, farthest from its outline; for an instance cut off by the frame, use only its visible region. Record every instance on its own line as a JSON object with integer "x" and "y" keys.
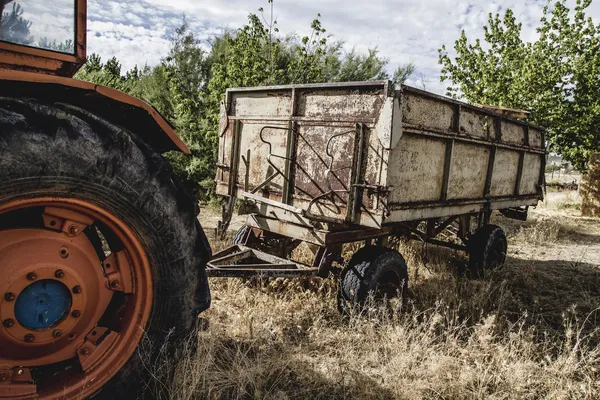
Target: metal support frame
{"x": 242, "y": 261}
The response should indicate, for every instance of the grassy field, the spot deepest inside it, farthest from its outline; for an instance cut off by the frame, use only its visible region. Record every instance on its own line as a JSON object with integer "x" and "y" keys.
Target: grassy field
{"x": 529, "y": 331}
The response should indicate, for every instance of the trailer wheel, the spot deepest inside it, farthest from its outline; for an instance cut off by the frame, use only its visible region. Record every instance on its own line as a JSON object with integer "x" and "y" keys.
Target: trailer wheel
{"x": 487, "y": 250}
{"x": 101, "y": 251}
{"x": 372, "y": 271}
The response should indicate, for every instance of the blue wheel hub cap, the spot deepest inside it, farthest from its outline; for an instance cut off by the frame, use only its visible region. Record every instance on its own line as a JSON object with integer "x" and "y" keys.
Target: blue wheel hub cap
{"x": 42, "y": 304}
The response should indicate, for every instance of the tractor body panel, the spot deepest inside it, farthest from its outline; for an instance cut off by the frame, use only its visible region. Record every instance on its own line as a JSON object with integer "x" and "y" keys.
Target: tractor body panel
{"x": 116, "y": 106}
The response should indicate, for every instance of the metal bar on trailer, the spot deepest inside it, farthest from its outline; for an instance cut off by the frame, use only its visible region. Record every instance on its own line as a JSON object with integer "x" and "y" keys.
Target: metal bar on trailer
{"x": 234, "y": 157}
{"x": 458, "y": 202}
{"x": 490, "y": 171}
{"x": 258, "y": 266}
{"x": 430, "y": 132}
{"x": 498, "y": 128}
{"x": 289, "y": 153}
{"x": 270, "y": 202}
{"x": 355, "y": 193}
{"x": 436, "y": 242}
{"x": 356, "y": 235}
{"x": 266, "y": 273}
{"x": 438, "y": 229}
{"x": 263, "y": 183}
{"x": 291, "y": 230}
{"x": 447, "y": 166}
{"x": 457, "y": 111}
{"x": 519, "y": 173}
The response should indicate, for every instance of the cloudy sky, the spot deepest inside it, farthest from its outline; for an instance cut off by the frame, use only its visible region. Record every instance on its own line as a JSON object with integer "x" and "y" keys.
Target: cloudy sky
{"x": 137, "y": 32}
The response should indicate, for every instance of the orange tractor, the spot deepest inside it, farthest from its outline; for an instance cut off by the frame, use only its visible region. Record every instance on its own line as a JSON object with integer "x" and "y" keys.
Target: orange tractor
{"x": 100, "y": 246}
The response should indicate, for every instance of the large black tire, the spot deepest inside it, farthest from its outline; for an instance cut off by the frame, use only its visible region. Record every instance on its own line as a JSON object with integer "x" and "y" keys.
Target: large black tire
{"x": 487, "y": 250}
{"x": 372, "y": 271}
{"x": 57, "y": 150}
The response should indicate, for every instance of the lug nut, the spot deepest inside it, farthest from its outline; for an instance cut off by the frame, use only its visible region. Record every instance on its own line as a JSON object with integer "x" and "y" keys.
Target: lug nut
{"x": 20, "y": 372}
{"x": 56, "y": 333}
{"x": 64, "y": 252}
{"x": 29, "y": 338}
{"x": 8, "y": 323}
{"x": 32, "y": 276}
{"x": 114, "y": 284}
{"x": 77, "y": 289}
{"x": 59, "y": 274}
{"x": 85, "y": 351}
{"x": 73, "y": 230}
{"x": 9, "y": 296}
{"x": 75, "y": 313}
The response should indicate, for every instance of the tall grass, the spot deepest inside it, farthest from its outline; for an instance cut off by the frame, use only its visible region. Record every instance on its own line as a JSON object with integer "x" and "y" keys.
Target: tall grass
{"x": 528, "y": 331}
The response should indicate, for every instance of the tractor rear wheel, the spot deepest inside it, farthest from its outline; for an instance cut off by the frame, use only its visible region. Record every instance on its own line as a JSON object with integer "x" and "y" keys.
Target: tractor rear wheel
{"x": 100, "y": 251}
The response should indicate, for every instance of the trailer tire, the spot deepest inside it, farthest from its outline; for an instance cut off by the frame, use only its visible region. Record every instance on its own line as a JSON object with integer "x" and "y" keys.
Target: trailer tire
{"x": 487, "y": 250}
{"x": 372, "y": 271}
{"x": 52, "y": 151}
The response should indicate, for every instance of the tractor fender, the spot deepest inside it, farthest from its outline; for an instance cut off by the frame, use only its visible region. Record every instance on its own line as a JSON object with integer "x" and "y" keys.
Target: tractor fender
{"x": 113, "y": 105}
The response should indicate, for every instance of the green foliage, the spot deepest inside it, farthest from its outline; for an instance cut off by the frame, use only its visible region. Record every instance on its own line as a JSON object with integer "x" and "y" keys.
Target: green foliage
{"x": 108, "y": 74}
{"x": 403, "y": 72}
{"x": 557, "y": 77}
{"x": 360, "y": 67}
{"x": 188, "y": 85}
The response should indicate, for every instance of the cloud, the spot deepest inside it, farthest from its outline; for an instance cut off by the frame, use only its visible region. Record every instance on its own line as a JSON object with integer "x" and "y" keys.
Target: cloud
{"x": 403, "y": 30}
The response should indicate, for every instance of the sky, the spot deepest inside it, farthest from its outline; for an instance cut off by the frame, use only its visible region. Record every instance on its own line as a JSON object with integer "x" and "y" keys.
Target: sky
{"x": 138, "y": 32}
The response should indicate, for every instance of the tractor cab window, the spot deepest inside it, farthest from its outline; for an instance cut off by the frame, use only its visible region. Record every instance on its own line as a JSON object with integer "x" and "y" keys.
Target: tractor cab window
{"x": 48, "y": 25}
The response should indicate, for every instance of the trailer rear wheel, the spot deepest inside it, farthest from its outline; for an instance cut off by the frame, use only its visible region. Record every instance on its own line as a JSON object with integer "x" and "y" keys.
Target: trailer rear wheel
{"x": 487, "y": 250}
{"x": 372, "y": 272}
{"x": 101, "y": 251}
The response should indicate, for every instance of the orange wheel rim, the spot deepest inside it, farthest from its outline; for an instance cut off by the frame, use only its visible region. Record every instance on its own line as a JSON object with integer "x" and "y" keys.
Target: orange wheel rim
{"x": 72, "y": 311}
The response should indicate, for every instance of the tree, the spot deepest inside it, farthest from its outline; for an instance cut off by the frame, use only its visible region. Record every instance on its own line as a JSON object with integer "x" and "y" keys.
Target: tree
{"x": 188, "y": 85}
{"x": 361, "y": 67}
{"x": 403, "y": 72}
{"x": 13, "y": 27}
{"x": 108, "y": 74}
{"x": 557, "y": 77}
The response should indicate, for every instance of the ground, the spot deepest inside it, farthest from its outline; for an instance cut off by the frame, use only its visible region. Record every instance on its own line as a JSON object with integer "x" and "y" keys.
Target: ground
{"x": 530, "y": 330}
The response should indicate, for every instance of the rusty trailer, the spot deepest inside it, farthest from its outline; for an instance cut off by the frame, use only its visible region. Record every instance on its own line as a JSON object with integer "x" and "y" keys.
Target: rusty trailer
{"x": 329, "y": 164}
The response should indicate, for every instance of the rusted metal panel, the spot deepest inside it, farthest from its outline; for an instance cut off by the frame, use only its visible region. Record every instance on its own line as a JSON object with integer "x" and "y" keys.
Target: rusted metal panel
{"x": 340, "y": 103}
{"x": 513, "y": 132}
{"x": 261, "y": 104}
{"x": 535, "y": 137}
{"x": 416, "y": 169}
{"x": 466, "y": 177}
{"x": 427, "y": 112}
{"x": 259, "y": 168}
{"x": 529, "y": 181}
{"x": 505, "y": 173}
{"x": 475, "y": 124}
{"x": 313, "y": 158}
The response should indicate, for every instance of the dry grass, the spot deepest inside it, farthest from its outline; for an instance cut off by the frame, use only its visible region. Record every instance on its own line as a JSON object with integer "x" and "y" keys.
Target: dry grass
{"x": 530, "y": 330}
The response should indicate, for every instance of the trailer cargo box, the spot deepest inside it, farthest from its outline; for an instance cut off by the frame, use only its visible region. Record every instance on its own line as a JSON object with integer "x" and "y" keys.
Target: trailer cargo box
{"x": 328, "y": 164}
{"x": 369, "y": 154}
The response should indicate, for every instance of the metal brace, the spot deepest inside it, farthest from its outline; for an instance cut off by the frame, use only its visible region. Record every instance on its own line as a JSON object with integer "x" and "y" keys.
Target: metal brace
{"x": 17, "y": 383}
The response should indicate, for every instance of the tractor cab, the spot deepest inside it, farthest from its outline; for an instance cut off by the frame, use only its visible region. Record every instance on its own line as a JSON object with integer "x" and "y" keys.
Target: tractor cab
{"x": 42, "y": 36}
